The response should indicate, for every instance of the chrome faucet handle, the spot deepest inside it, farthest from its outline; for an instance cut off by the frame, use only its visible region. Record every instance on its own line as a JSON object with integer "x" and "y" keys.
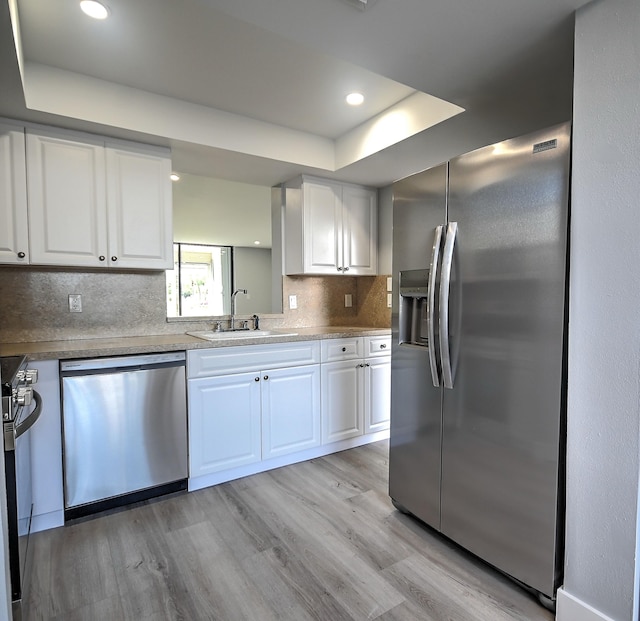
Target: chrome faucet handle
{"x": 218, "y": 327}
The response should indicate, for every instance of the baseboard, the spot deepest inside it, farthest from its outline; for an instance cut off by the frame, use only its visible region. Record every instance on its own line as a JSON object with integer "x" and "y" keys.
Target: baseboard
{"x": 570, "y": 608}
{"x": 45, "y": 521}
{"x": 215, "y": 478}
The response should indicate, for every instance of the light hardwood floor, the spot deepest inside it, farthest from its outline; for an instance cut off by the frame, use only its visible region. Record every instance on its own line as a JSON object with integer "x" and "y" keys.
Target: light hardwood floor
{"x": 318, "y": 540}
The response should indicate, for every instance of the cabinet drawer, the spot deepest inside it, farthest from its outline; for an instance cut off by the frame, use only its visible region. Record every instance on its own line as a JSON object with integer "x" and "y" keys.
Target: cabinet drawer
{"x": 342, "y": 349}
{"x": 377, "y": 346}
{"x": 226, "y": 360}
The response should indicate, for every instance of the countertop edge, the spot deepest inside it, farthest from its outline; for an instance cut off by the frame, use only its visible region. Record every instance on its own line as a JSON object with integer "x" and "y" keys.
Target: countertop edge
{"x": 131, "y": 345}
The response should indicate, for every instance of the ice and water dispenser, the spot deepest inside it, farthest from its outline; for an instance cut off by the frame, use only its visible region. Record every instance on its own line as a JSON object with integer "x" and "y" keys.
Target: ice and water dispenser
{"x": 414, "y": 310}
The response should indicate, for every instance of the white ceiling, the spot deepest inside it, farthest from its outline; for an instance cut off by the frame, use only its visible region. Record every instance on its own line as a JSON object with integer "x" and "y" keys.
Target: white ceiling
{"x": 252, "y": 90}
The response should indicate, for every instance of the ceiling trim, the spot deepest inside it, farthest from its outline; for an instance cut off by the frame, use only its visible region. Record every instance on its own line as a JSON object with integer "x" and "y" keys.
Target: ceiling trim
{"x": 56, "y": 91}
{"x": 407, "y": 118}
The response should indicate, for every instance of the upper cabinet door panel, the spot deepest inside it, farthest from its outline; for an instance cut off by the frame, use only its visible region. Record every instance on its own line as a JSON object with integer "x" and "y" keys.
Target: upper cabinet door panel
{"x": 67, "y": 206}
{"x": 14, "y": 233}
{"x": 140, "y": 208}
{"x": 360, "y": 231}
{"x": 330, "y": 228}
{"x": 322, "y": 228}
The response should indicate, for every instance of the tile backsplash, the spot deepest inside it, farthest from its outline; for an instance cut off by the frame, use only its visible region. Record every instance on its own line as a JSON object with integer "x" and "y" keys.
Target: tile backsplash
{"x": 34, "y": 304}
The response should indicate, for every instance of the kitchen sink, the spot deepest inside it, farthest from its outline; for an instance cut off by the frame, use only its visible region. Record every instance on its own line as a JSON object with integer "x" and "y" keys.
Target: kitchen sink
{"x": 212, "y": 335}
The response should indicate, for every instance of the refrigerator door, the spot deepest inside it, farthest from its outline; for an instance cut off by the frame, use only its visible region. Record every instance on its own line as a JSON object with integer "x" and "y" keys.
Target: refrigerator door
{"x": 502, "y": 421}
{"x": 419, "y": 208}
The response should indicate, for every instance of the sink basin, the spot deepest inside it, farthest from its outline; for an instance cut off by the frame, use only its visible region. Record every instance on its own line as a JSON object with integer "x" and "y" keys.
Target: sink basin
{"x": 212, "y": 335}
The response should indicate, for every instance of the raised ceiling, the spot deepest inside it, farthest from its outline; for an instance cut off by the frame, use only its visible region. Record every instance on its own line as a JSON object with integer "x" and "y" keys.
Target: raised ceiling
{"x": 253, "y": 90}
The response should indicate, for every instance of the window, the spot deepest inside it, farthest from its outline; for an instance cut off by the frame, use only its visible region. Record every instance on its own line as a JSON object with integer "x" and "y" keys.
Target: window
{"x": 200, "y": 283}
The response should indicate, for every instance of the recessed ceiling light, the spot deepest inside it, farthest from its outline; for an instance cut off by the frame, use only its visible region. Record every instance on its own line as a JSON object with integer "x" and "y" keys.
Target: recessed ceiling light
{"x": 174, "y": 177}
{"x": 94, "y": 9}
{"x": 355, "y": 99}
{"x": 257, "y": 243}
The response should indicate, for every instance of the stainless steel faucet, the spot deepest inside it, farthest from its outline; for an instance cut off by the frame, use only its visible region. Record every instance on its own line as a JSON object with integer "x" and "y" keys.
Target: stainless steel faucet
{"x": 233, "y": 307}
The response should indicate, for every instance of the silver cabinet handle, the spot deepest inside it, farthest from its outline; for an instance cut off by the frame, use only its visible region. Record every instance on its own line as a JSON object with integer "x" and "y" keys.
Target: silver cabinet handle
{"x": 431, "y": 297}
{"x": 445, "y": 287}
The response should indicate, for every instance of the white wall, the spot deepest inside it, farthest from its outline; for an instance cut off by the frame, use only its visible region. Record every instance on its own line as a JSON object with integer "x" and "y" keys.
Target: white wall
{"x": 220, "y": 212}
{"x": 385, "y": 229}
{"x": 604, "y": 327}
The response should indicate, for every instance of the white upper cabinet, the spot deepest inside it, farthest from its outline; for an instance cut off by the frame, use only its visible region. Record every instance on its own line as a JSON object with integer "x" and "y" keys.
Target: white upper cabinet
{"x": 139, "y": 207}
{"x": 359, "y": 231}
{"x": 67, "y": 200}
{"x": 93, "y": 203}
{"x": 330, "y": 228}
{"x": 14, "y": 233}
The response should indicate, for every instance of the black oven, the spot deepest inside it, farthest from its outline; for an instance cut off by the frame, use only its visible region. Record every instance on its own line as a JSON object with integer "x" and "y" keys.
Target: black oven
{"x": 21, "y": 407}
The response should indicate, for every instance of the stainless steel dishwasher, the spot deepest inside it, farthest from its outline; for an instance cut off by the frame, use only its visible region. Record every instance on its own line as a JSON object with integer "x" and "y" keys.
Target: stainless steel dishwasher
{"x": 125, "y": 430}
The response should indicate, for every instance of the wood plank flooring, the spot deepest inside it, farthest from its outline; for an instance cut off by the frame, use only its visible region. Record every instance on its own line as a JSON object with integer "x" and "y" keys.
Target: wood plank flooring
{"x": 317, "y": 541}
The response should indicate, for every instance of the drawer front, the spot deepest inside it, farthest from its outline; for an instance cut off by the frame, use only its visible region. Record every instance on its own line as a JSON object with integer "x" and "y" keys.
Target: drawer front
{"x": 334, "y": 350}
{"x": 226, "y": 360}
{"x": 377, "y": 346}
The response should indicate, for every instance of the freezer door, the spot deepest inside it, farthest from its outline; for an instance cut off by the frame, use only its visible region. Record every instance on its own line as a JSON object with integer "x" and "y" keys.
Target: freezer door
{"x": 502, "y": 433}
{"x": 419, "y": 205}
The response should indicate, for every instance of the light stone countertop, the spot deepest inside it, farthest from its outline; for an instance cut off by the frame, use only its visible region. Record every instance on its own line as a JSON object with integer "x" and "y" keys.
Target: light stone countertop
{"x": 122, "y": 346}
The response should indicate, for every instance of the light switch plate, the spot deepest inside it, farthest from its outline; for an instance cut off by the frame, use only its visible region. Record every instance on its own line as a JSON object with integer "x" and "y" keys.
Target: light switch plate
{"x": 389, "y": 283}
{"x": 348, "y": 300}
{"x": 293, "y": 302}
{"x": 389, "y": 300}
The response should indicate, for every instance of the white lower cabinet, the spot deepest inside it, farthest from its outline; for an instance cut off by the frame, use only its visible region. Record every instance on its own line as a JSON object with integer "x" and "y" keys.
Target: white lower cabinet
{"x": 290, "y": 410}
{"x": 224, "y": 423}
{"x": 342, "y": 407}
{"x": 377, "y": 394}
{"x": 356, "y": 387}
{"x": 239, "y": 418}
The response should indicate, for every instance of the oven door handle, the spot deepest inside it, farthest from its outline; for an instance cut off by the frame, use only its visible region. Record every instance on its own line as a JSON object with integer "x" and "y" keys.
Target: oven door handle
{"x": 28, "y": 422}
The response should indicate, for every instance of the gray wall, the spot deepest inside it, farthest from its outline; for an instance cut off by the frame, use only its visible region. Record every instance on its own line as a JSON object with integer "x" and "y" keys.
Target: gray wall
{"x": 252, "y": 268}
{"x": 604, "y": 329}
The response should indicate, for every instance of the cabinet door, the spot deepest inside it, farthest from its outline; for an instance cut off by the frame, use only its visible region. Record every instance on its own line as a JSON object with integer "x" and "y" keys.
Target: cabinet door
{"x": 290, "y": 410}
{"x": 224, "y": 422}
{"x": 360, "y": 231}
{"x": 139, "y": 205}
{"x": 14, "y": 234}
{"x": 377, "y": 394}
{"x": 342, "y": 403}
{"x": 67, "y": 206}
{"x": 322, "y": 211}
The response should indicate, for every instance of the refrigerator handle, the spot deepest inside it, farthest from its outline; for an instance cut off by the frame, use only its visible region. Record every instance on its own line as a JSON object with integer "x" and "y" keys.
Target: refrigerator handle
{"x": 445, "y": 287}
{"x": 431, "y": 297}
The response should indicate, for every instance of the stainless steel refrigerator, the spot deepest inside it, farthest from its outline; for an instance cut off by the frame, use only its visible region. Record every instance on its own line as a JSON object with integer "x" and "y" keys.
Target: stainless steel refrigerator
{"x": 478, "y": 360}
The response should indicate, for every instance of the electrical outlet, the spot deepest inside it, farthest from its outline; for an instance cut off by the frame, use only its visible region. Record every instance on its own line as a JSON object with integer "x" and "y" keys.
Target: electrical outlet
{"x": 348, "y": 300}
{"x": 293, "y": 302}
{"x": 75, "y": 303}
{"x": 389, "y": 300}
